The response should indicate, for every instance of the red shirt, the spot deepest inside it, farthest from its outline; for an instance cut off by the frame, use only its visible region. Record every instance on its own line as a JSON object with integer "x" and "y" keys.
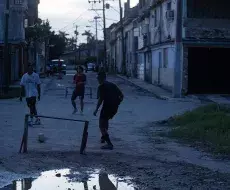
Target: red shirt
{"x": 79, "y": 78}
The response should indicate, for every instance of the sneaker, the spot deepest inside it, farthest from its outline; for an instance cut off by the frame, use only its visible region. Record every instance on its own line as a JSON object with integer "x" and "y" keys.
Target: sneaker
{"x": 30, "y": 123}
{"x": 37, "y": 122}
{"x": 102, "y": 140}
{"x": 74, "y": 111}
{"x": 107, "y": 147}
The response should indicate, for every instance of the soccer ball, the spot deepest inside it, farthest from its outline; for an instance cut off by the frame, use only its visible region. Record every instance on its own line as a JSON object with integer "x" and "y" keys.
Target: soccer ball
{"x": 41, "y": 138}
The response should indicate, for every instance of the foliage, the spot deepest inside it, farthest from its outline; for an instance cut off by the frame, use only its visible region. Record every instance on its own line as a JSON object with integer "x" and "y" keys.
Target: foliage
{"x": 39, "y": 31}
{"x": 208, "y": 124}
{"x": 59, "y": 42}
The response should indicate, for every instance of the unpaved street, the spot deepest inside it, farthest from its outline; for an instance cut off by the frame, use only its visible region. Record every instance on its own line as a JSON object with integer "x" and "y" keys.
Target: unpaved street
{"x": 138, "y": 153}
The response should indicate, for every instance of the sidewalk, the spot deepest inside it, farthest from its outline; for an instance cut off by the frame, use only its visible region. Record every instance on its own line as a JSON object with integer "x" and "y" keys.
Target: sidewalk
{"x": 157, "y": 91}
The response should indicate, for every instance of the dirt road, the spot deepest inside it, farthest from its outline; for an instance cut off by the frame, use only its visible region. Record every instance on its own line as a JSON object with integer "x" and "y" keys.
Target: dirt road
{"x": 152, "y": 162}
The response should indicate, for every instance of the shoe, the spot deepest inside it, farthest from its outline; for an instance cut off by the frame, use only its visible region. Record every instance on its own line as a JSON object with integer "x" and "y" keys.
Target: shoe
{"x": 37, "y": 122}
{"x": 81, "y": 112}
{"x": 102, "y": 140}
{"x": 107, "y": 147}
{"x": 74, "y": 111}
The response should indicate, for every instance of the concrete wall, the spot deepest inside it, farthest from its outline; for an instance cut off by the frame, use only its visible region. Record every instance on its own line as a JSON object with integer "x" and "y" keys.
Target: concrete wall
{"x": 140, "y": 66}
{"x": 118, "y": 53}
{"x": 212, "y": 22}
{"x": 163, "y": 74}
{"x": 160, "y": 27}
{"x": 16, "y": 21}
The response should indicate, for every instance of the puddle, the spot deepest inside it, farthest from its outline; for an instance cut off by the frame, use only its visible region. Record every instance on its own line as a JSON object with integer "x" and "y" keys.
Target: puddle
{"x": 67, "y": 179}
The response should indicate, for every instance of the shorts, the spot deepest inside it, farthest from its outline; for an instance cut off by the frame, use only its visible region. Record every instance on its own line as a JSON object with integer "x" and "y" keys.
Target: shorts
{"x": 31, "y": 101}
{"x": 108, "y": 112}
{"x": 78, "y": 93}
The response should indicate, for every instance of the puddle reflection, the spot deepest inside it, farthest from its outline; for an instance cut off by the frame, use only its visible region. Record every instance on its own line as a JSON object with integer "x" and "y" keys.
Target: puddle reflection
{"x": 68, "y": 180}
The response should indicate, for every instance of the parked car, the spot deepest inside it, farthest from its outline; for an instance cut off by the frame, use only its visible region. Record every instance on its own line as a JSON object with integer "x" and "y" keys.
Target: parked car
{"x": 54, "y": 64}
{"x": 91, "y": 67}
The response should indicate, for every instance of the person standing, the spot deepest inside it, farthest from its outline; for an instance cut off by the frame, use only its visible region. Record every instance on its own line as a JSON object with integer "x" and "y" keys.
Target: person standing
{"x": 79, "y": 91}
{"x": 30, "y": 84}
{"x": 110, "y": 96}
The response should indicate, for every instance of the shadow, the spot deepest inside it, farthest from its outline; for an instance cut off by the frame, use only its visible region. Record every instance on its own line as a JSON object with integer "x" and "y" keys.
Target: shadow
{"x": 105, "y": 183}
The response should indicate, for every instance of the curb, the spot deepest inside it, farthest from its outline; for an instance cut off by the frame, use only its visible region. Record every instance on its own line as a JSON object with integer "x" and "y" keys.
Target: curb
{"x": 196, "y": 100}
{"x": 134, "y": 84}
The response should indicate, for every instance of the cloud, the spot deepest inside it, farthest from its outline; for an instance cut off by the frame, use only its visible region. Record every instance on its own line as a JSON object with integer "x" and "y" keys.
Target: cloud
{"x": 65, "y": 14}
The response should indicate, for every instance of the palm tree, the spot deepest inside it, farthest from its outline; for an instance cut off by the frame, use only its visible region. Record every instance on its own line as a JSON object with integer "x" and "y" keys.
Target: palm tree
{"x": 88, "y": 34}
{"x": 72, "y": 43}
{"x": 63, "y": 35}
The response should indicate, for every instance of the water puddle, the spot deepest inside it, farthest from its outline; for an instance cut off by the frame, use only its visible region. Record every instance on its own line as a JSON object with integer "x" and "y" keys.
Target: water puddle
{"x": 67, "y": 179}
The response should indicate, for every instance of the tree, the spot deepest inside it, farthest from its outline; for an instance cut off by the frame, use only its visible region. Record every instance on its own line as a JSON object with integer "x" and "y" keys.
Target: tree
{"x": 89, "y": 35}
{"x": 59, "y": 42}
{"x": 71, "y": 44}
{"x": 38, "y": 32}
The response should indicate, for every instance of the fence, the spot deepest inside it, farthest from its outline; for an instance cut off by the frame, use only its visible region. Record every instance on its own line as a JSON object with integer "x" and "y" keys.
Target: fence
{"x": 24, "y": 142}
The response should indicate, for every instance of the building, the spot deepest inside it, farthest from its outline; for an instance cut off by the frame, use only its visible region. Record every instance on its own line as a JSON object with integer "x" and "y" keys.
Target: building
{"x": 205, "y": 45}
{"x": 17, "y": 15}
{"x": 114, "y": 47}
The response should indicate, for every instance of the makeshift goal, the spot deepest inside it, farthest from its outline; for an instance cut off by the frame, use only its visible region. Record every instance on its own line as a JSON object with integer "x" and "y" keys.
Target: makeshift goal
{"x": 24, "y": 142}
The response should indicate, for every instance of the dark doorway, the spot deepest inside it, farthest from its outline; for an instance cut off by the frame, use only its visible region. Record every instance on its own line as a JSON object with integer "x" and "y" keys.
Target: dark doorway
{"x": 208, "y": 70}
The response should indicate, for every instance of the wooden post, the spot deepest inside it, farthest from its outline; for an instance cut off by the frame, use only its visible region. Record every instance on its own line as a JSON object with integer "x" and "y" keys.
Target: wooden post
{"x": 84, "y": 138}
{"x": 25, "y": 134}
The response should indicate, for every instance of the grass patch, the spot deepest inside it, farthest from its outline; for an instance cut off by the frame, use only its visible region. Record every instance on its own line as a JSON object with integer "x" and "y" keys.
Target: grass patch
{"x": 207, "y": 124}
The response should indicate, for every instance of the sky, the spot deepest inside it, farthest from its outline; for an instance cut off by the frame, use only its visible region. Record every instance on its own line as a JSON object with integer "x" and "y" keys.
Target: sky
{"x": 64, "y": 15}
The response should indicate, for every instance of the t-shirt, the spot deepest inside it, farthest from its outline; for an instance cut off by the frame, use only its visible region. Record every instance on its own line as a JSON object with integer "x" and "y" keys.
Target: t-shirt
{"x": 30, "y": 82}
{"x": 110, "y": 94}
{"x": 79, "y": 78}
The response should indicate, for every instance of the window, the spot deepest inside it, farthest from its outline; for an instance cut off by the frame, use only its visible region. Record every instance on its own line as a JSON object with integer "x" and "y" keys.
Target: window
{"x": 165, "y": 57}
{"x": 169, "y": 6}
{"x": 155, "y": 18}
{"x": 18, "y": 2}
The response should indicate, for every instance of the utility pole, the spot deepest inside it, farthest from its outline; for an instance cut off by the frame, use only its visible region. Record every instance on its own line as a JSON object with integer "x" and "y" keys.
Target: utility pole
{"x": 122, "y": 40}
{"x": 75, "y": 49}
{"x": 178, "y": 59}
{"x": 104, "y": 27}
{"x": 95, "y": 18}
{"x": 105, "y": 37}
{"x": 6, "y": 47}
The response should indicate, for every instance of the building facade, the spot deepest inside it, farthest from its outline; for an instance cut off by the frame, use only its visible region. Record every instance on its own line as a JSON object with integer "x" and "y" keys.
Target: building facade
{"x": 205, "y": 45}
{"x": 16, "y": 32}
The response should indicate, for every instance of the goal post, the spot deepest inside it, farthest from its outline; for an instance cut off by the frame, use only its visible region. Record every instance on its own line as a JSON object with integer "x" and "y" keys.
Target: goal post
{"x": 24, "y": 142}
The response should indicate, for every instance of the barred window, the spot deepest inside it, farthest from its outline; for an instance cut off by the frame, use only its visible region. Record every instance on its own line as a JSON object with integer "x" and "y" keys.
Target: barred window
{"x": 18, "y": 2}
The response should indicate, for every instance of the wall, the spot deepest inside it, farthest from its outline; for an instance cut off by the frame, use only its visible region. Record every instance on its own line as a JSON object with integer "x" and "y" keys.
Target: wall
{"x": 212, "y": 22}
{"x": 16, "y": 21}
{"x": 140, "y": 66}
{"x": 160, "y": 27}
{"x": 129, "y": 47}
{"x": 118, "y": 53}
{"x": 163, "y": 75}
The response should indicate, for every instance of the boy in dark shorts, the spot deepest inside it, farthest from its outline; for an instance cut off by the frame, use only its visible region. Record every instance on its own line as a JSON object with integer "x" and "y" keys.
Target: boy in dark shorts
{"x": 79, "y": 91}
{"x": 111, "y": 97}
{"x": 30, "y": 82}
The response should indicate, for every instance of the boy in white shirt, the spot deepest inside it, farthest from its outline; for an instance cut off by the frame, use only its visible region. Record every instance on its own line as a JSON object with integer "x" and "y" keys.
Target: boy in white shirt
{"x": 30, "y": 82}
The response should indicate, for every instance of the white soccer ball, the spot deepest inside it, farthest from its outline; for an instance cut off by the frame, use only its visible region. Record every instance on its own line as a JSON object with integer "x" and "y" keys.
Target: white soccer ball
{"x": 41, "y": 138}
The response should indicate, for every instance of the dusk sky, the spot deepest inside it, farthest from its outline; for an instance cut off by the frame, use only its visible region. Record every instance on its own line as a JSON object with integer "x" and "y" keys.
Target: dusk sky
{"x": 65, "y": 15}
